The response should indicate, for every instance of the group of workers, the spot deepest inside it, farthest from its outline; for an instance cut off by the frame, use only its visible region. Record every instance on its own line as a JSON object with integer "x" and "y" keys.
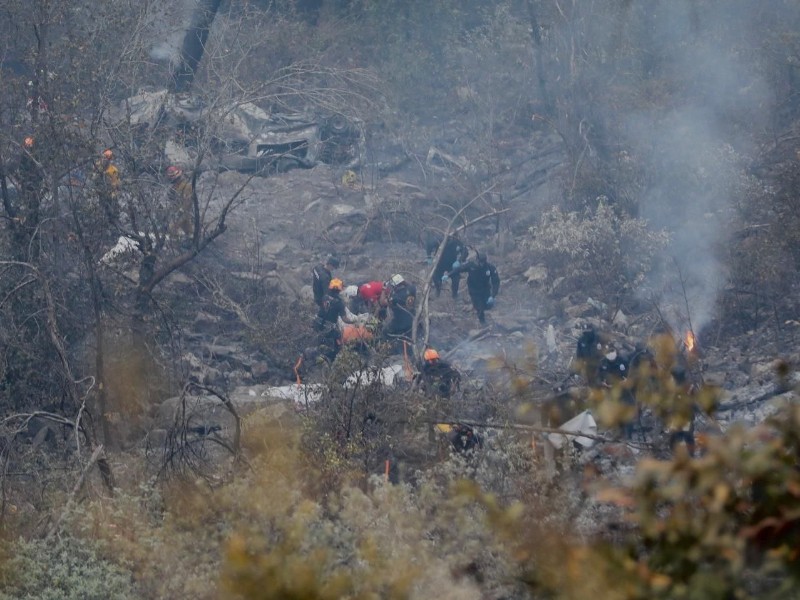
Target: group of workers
{"x": 603, "y": 365}
{"x": 107, "y": 183}
{"x": 357, "y": 314}
{"x": 483, "y": 282}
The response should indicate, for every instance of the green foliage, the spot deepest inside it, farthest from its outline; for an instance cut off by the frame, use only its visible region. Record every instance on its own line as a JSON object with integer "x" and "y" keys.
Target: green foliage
{"x": 723, "y": 524}
{"x": 719, "y": 526}
{"x": 598, "y": 251}
{"x": 65, "y": 568}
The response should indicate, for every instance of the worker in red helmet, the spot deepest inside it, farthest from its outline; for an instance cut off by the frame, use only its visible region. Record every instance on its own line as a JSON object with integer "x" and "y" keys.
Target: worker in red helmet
{"x": 437, "y": 377}
{"x": 181, "y": 196}
{"x": 366, "y": 298}
{"x": 174, "y": 173}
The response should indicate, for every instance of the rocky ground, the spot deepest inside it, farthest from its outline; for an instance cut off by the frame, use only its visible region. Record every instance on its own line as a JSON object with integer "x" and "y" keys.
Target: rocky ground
{"x": 289, "y": 221}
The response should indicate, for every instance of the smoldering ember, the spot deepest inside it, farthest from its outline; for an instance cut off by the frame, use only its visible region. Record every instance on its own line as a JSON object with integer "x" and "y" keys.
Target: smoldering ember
{"x": 400, "y": 299}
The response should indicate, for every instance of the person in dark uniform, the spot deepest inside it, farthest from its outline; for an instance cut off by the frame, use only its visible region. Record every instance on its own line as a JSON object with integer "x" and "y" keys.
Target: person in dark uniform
{"x": 483, "y": 283}
{"x": 680, "y": 424}
{"x": 366, "y": 298}
{"x": 465, "y": 439}
{"x": 331, "y": 309}
{"x": 454, "y": 253}
{"x": 401, "y": 298}
{"x": 321, "y": 277}
{"x": 613, "y": 368}
{"x": 437, "y": 376}
{"x": 589, "y": 352}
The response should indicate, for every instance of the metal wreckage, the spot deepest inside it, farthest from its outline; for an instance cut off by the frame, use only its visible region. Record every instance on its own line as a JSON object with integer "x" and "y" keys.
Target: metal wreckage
{"x": 246, "y": 138}
{"x": 239, "y": 136}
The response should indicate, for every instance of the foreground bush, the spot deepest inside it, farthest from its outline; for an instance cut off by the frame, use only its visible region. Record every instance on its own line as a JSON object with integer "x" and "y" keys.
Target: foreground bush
{"x": 62, "y": 569}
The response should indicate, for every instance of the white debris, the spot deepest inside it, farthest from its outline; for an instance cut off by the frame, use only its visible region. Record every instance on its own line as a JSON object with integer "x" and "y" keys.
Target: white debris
{"x": 387, "y": 376}
{"x": 550, "y": 339}
{"x": 301, "y": 394}
{"x": 125, "y": 245}
{"x": 583, "y": 423}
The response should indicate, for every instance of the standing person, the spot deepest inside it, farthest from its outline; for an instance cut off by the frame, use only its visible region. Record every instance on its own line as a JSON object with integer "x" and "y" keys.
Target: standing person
{"x": 181, "y": 197}
{"x": 321, "y": 277}
{"x": 483, "y": 283}
{"x": 330, "y": 311}
{"x": 25, "y": 216}
{"x": 400, "y": 297}
{"x": 454, "y": 253}
{"x": 107, "y": 184}
{"x": 30, "y": 174}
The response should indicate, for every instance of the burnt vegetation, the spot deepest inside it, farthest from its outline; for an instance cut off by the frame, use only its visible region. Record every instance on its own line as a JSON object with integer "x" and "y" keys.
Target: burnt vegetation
{"x": 169, "y": 175}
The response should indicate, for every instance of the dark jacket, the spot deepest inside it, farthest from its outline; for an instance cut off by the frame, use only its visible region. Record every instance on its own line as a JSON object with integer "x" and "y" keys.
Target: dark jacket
{"x": 403, "y": 302}
{"x": 482, "y": 278}
{"x": 465, "y": 439}
{"x": 439, "y": 377}
{"x": 330, "y": 309}
{"x": 321, "y": 278}
{"x": 612, "y": 370}
{"x": 454, "y": 250}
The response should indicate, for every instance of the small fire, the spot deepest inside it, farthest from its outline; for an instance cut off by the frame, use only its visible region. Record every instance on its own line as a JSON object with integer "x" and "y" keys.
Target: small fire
{"x": 690, "y": 341}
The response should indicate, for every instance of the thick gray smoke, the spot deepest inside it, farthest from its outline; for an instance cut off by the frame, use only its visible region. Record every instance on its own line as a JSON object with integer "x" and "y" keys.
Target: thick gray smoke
{"x": 691, "y": 151}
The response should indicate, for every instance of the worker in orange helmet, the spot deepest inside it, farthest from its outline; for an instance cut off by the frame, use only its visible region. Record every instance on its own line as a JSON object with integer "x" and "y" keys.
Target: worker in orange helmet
{"x": 331, "y": 311}
{"x": 436, "y": 376}
{"x": 110, "y": 172}
{"x": 30, "y": 175}
{"x": 181, "y": 197}
{"x": 107, "y": 184}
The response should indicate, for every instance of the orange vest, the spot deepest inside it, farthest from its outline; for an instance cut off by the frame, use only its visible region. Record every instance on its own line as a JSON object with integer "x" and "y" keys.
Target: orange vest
{"x": 352, "y": 334}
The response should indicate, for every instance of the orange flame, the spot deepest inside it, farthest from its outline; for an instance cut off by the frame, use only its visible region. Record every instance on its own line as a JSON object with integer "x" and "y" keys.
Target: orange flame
{"x": 690, "y": 341}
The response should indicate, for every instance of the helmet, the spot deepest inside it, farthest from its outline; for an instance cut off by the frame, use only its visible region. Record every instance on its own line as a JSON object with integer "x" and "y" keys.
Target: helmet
{"x": 430, "y": 354}
{"x": 108, "y": 154}
{"x": 351, "y": 291}
{"x": 174, "y": 172}
{"x": 336, "y": 284}
{"x": 28, "y": 142}
{"x": 396, "y": 279}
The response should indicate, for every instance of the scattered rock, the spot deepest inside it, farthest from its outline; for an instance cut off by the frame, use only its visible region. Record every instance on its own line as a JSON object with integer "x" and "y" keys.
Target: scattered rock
{"x": 536, "y": 274}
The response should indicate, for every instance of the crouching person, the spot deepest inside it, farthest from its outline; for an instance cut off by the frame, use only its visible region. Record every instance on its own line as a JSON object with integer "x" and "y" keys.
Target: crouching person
{"x": 465, "y": 439}
{"x": 331, "y": 309}
{"x": 680, "y": 424}
{"x": 436, "y": 376}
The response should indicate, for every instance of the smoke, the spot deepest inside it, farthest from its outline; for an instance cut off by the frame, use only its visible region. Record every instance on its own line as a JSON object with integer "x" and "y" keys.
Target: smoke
{"x": 167, "y": 50}
{"x": 169, "y": 28}
{"x": 691, "y": 151}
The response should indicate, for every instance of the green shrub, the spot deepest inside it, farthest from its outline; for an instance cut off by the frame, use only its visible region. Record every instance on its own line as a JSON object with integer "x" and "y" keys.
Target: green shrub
{"x": 600, "y": 252}
{"x": 62, "y": 569}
